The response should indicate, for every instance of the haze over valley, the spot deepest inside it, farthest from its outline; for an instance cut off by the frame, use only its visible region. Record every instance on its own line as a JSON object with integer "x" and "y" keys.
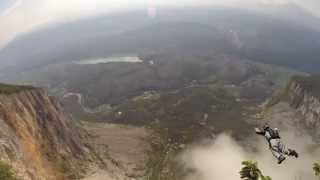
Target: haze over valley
{"x": 159, "y": 91}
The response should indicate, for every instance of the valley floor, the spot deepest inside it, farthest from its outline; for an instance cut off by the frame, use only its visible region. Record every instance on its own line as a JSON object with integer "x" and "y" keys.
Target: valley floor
{"x": 125, "y": 146}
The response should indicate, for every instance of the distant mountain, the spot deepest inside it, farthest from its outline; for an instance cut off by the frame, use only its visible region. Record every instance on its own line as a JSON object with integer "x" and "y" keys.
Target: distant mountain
{"x": 293, "y": 13}
{"x": 251, "y": 35}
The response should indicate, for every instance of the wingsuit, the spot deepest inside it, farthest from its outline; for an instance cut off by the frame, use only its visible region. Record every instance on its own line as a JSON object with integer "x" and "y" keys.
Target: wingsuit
{"x": 278, "y": 149}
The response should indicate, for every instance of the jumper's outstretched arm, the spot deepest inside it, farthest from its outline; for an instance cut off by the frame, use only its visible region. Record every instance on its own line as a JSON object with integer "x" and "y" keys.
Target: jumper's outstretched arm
{"x": 259, "y": 131}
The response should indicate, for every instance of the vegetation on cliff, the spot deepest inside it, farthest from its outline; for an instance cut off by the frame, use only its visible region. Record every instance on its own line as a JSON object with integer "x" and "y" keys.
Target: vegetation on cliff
{"x": 6, "y": 172}
{"x": 11, "y": 89}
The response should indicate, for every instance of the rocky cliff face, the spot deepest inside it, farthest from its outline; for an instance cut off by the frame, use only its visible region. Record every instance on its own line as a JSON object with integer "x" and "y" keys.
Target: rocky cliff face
{"x": 38, "y": 139}
{"x": 302, "y": 96}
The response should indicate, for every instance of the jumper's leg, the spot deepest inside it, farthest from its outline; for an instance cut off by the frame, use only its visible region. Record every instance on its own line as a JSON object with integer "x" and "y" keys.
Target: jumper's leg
{"x": 284, "y": 150}
{"x": 278, "y": 155}
{"x": 278, "y": 150}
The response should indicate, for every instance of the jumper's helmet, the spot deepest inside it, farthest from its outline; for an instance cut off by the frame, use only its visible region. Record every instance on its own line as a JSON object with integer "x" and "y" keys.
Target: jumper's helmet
{"x": 266, "y": 126}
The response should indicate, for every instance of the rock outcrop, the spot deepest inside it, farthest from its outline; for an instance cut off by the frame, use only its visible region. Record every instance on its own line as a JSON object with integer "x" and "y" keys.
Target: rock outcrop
{"x": 37, "y": 139}
{"x": 302, "y": 94}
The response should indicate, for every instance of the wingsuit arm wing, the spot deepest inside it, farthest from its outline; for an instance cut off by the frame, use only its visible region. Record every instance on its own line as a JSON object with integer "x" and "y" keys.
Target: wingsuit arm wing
{"x": 259, "y": 131}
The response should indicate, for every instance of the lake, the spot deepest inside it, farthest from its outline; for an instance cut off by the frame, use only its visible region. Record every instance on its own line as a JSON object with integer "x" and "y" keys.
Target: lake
{"x": 128, "y": 59}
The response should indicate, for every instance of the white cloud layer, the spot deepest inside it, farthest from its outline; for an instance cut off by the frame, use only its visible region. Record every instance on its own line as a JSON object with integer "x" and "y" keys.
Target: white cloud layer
{"x": 222, "y": 159}
{"x": 26, "y": 15}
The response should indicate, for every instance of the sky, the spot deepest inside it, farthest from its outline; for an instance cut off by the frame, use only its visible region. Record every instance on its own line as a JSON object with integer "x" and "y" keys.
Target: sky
{"x": 20, "y": 16}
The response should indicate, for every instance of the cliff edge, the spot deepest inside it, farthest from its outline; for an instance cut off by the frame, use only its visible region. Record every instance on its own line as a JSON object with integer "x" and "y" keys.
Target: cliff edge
{"x": 36, "y": 137}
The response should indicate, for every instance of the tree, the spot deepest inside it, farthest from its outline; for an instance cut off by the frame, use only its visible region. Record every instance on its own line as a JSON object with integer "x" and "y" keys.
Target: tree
{"x": 250, "y": 171}
{"x": 265, "y": 177}
{"x": 316, "y": 169}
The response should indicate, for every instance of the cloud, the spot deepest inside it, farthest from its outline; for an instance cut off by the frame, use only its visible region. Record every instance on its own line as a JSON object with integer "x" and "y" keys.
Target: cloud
{"x": 222, "y": 159}
{"x": 10, "y": 9}
{"x": 28, "y": 15}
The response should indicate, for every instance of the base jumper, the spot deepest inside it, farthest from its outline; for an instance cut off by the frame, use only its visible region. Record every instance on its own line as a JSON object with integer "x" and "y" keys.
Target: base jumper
{"x": 278, "y": 149}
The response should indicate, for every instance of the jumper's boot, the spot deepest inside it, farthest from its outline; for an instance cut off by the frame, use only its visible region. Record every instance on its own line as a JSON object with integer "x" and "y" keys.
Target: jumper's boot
{"x": 293, "y": 153}
{"x": 281, "y": 159}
